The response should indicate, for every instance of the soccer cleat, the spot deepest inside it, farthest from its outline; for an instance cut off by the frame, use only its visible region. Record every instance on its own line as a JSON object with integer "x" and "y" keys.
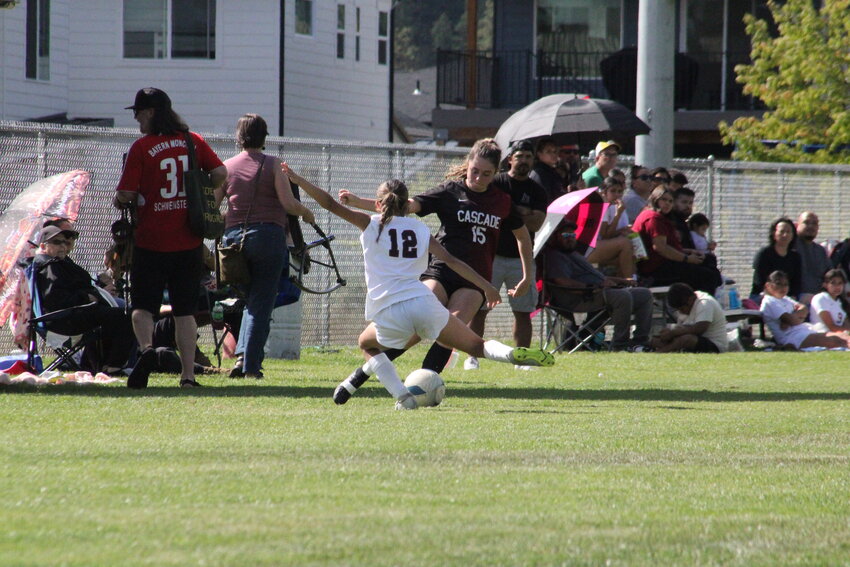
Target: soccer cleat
{"x": 470, "y": 363}
{"x": 348, "y": 386}
{"x": 524, "y": 356}
{"x": 406, "y": 402}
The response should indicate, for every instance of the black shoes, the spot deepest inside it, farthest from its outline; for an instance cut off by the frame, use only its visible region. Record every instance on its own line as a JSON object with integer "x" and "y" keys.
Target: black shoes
{"x": 236, "y": 371}
{"x": 138, "y": 378}
{"x": 348, "y": 386}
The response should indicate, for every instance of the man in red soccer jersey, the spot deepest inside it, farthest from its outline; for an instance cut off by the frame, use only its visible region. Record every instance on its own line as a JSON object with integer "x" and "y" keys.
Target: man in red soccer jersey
{"x": 166, "y": 254}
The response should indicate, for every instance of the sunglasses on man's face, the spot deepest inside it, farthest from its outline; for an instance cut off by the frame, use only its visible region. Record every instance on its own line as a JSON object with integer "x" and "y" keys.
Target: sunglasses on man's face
{"x": 60, "y": 242}
{"x": 644, "y": 177}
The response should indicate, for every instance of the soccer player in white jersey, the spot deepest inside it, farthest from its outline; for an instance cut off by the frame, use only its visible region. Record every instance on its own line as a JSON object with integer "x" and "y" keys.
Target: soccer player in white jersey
{"x": 401, "y": 309}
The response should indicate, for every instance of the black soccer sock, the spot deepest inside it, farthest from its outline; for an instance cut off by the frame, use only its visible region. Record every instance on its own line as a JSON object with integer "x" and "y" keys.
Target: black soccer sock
{"x": 437, "y": 358}
{"x": 358, "y": 377}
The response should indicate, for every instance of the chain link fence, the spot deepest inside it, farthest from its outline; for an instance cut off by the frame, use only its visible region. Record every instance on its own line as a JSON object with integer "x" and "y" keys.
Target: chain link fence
{"x": 740, "y": 198}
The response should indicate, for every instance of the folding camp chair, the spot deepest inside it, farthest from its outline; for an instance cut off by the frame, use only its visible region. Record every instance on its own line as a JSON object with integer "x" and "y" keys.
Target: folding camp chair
{"x": 560, "y": 329}
{"x": 66, "y": 348}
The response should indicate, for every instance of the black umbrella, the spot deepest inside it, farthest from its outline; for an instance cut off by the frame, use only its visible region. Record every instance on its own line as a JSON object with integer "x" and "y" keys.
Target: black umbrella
{"x": 570, "y": 119}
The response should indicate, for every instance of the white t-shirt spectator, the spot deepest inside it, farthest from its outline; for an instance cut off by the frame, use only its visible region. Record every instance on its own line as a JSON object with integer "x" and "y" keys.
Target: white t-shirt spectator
{"x": 824, "y": 302}
{"x": 706, "y": 308}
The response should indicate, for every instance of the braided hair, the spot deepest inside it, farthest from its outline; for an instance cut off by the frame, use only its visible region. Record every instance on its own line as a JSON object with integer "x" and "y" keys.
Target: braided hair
{"x": 392, "y": 197}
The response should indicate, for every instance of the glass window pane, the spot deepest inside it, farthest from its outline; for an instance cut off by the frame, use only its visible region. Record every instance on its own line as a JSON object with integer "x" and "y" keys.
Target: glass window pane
{"x": 383, "y": 24}
{"x": 37, "y": 49}
{"x": 578, "y": 25}
{"x": 382, "y": 52}
{"x": 340, "y": 46}
{"x": 144, "y": 29}
{"x": 304, "y": 17}
{"x": 340, "y": 16}
{"x": 193, "y": 29}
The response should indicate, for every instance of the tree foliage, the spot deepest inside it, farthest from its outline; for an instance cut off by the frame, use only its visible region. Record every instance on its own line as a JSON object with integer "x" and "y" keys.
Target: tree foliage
{"x": 801, "y": 71}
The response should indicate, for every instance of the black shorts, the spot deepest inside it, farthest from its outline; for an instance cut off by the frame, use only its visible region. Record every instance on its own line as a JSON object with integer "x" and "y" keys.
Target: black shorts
{"x": 152, "y": 272}
{"x": 449, "y": 279}
{"x": 704, "y": 345}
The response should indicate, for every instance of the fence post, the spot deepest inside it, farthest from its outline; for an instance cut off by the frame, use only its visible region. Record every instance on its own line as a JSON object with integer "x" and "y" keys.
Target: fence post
{"x": 41, "y": 152}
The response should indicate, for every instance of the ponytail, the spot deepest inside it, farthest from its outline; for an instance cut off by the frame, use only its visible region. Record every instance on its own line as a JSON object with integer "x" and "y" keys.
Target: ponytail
{"x": 392, "y": 195}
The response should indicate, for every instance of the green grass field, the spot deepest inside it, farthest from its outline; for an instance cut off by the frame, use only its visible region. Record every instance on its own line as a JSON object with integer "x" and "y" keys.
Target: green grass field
{"x": 606, "y": 459}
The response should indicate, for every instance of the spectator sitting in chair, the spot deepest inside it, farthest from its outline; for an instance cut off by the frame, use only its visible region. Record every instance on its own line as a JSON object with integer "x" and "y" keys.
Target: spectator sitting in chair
{"x": 701, "y": 326}
{"x": 63, "y": 284}
{"x": 787, "y": 318}
{"x": 568, "y": 268}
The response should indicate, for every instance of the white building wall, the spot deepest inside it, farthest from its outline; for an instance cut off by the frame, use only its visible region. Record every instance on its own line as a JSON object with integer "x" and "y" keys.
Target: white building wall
{"x": 324, "y": 96}
{"x": 23, "y": 98}
{"x": 357, "y": 92}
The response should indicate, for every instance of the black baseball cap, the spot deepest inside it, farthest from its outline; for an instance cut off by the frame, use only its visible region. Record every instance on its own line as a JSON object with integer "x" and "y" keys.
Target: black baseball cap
{"x": 150, "y": 97}
{"x": 522, "y": 146}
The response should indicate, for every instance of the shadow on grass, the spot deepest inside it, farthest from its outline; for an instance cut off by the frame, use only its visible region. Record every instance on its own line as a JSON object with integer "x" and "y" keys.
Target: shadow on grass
{"x": 261, "y": 390}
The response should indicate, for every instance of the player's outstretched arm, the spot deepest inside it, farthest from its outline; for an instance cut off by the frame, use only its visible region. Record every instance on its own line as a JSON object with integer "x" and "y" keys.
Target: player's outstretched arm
{"x": 346, "y": 197}
{"x": 491, "y": 294}
{"x": 323, "y": 198}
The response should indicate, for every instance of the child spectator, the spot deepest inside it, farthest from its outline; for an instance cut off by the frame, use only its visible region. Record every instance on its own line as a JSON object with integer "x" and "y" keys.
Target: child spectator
{"x": 698, "y": 224}
{"x": 701, "y": 323}
{"x": 786, "y": 318}
{"x": 828, "y": 310}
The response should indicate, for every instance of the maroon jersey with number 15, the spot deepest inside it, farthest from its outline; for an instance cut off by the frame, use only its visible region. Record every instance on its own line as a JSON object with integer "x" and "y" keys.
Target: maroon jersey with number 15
{"x": 470, "y": 222}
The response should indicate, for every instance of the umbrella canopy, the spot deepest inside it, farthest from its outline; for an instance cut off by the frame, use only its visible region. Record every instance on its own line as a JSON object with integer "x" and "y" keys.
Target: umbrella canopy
{"x": 566, "y": 117}
{"x": 585, "y": 207}
{"x": 51, "y": 197}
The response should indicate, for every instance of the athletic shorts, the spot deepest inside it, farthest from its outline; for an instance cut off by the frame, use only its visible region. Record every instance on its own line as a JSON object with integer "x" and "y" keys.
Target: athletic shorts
{"x": 508, "y": 272}
{"x": 449, "y": 279}
{"x": 424, "y": 316}
{"x": 153, "y": 272}
{"x": 704, "y": 345}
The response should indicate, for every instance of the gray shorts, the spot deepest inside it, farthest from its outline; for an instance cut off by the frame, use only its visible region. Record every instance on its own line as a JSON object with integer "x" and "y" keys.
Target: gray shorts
{"x": 508, "y": 271}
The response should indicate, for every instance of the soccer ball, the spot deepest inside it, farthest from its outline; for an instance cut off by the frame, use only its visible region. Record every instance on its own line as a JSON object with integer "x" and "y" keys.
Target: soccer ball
{"x": 426, "y": 386}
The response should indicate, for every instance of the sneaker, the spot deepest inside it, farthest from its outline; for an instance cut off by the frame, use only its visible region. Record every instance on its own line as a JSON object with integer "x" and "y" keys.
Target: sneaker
{"x": 470, "y": 363}
{"x": 347, "y": 387}
{"x": 406, "y": 402}
{"x": 138, "y": 378}
{"x": 236, "y": 371}
{"x": 524, "y": 356}
{"x": 189, "y": 384}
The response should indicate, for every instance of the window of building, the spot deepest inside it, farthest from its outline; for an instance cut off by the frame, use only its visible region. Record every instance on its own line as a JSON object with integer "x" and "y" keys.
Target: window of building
{"x": 340, "y": 36}
{"x": 169, "y": 29}
{"x": 383, "y": 33}
{"x": 38, "y": 40}
{"x": 357, "y": 37}
{"x": 578, "y": 25}
{"x": 304, "y": 17}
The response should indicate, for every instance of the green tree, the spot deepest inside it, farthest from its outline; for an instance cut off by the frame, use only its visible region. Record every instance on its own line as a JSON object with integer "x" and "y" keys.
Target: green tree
{"x": 801, "y": 72}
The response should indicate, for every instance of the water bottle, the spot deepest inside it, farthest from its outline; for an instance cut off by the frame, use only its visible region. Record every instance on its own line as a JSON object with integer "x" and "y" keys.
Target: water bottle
{"x": 734, "y": 298}
{"x": 217, "y": 313}
{"x": 637, "y": 246}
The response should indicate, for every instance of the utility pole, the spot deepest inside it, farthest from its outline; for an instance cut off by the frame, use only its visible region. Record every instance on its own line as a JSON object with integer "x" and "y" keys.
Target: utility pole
{"x": 656, "y": 81}
{"x": 472, "y": 50}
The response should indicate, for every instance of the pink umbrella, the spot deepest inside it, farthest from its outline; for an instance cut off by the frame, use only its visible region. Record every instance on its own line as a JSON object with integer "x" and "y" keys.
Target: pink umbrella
{"x": 56, "y": 196}
{"x": 585, "y": 207}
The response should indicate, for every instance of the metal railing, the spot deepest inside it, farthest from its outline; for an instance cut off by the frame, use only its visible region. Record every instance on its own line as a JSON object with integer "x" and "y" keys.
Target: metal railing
{"x": 512, "y": 79}
{"x": 741, "y": 199}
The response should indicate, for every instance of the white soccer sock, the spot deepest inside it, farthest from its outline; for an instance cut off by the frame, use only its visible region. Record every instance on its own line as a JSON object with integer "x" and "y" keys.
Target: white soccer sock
{"x": 367, "y": 369}
{"x": 500, "y": 352}
{"x": 385, "y": 370}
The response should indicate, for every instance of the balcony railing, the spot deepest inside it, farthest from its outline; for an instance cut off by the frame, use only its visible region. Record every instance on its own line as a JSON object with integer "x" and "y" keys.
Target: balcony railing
{"x": 512, "y": 79}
